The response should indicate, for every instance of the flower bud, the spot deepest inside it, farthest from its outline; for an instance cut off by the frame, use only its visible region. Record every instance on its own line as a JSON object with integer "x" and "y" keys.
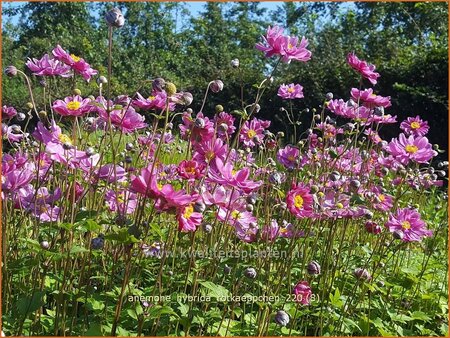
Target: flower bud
{"x": 329, "y": 96}
{"x": 11, "y": 71}
{"x": 235, "y": 63}
{"x": 256, "y": 107}
{"x": 21, "y": 117}
{"x": 223, "y": 127}
{"x": 76, "y": 91}
{"x": 378, "y": 111}
{"x": 362, "y": 274}
{"x": 30, "y": 105}
{"x": 207, "y": 228}
{"x": 226, "y": 269}
{"x": 219, "y": 108}
{"x": 102, "y": 80}
{"x": 187, "y": 98}
{"x": 275, "y": 178}
{"x": 355, "y": 184}
{"x": 115, "y": 18}
{"x": 249, "y": 207}
{"x": 16, "y": 128}
{"x": 199, "y": 207}
{"x": 250, "y": 273}
{"x": 90, "y": 151}
{"x": 200, "y": 122}
{"x": 171, "y": 89}
{"x": 282, "y": 318}
{"x": 158, "y": 84}
{"x": 398, "y": 234}
{"x": 216, "y": 86}
{"x": 97, "y": 243}
{"x": 313, "y": 268}
{"x": 45, "y": 245}
{"x": 372, "y": 227}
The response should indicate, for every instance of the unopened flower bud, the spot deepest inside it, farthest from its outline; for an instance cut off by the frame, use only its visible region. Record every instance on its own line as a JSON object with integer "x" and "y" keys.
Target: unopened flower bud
{"x": 199, "y": 122}
{"x": 280, "y": 134}
{"x": 199, "y": 207}
{"x": 362, "y": 274}
{"x": 158, "y": 84}
{"x": 250, "y": 273}
{"x": 16, "y": 128}
{"x": 372, "y": 227}
{"x": 226, "y": 269}
{"x": 398, "y": 234}
{"x": 90, "y": 151}
{"x": 256, "y": 107}
{"x": 329, "y": 96}
{"x": 115, "y": 18}
{"x": 223, "y": 127}
{"x": 219, "y": 108}
{"x": 171, "y": 89}
{"x": 216, "y": 86}
{"x": 313, "y": 268}
{"x": 11, "y": 71}
{"x": 21, "y": 117}
{"x": 249, "y": 207}
{"x": 187, "y": 98}
{"x": 45, "y": 245}
{"x": 97, "y": 243}
{"x": 207, "y": 228}
{"x": 282, "y": 318}
{"x": 378, "y": 111}
{"x": 30, "y": 105}
{"x": 355, "y": 184}
{"x": 102, "y": 80}
{"x": 235, "y": 63}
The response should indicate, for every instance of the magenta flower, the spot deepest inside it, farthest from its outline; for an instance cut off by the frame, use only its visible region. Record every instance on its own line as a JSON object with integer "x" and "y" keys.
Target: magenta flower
{"x": 188, "y": 219}
{"x": 288, "y": 156}
{"x": 380, "y": 200}
{"x": 300, "y": 201}
{"x": 225, "y": 125}
{"x": 415, "y": 126}
{"x": 111, "y": 173}
{"x": 125, "y": 119}
{"x": 73, "y": 106}
{"x": 190, "y": 170}
{"x": 292, "y": 49}
{"x": 76, "y": 63}
{"x": 198, "y": 129}
{"x": 365, "y": 69}
{"x": 226, "y": 175}
{"x": 249, "y": 231}
{"x": 272, "y": 42}
{"x": 271, "y": 231}
{"x": 411, "y": 149}
{"x": 408, "y": 222}
{"x": 252, "y": 132}
{"x": 289, "y": 48}
{"x": 291, "y": 91}
{"x": 220, "y": 197}
{"x": 157, "y": 101}
{"x": 303, "y": 292}
{"x": 48, "y": 67}
{"x": 124, "y": 202}
{"x": 8, "y": 112}
{"x": 370, "y": 99}
{"x": 146, "y": 183}
{"x": 170, "y": 199}
{"x": 209, "y": 151}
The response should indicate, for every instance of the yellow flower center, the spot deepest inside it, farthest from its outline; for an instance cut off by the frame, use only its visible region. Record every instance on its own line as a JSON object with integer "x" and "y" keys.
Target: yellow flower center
{"x": 73, "y": 105}
{"x": 339, "y": 205}
{"x": 159, "y": 186}
{"x": 283, "y": 230}
{"x": 64, "y": 138}
{"x": 235, "y": 214}
{"x": 373, "y": 95}
{"x": 121, "y": 198}
{"x": 251, "y": 133}
{"x": 381, "y": 197}
{"x": 298, "y": 201}
{"x": 190, "y": 170}
{"x": 291, "y": 158}
{"x": 75, "y": 58}
{"x": 415, "y": 125}
{"x": 188, "y": 211}
{"x": 406, "y": 225}
{"x": 411, "y": 149}
{"x": 209, "y": 155}
{"x": 290, "y": 90}
{"x": 290, "y": 45}
{"x": 151, "y": 98}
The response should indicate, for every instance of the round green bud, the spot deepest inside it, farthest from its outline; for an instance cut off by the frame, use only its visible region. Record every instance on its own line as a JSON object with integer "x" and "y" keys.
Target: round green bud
{"x": 171, "y": 89}
{"x": 76, "y": 91}
{"x": 219, "y": 108}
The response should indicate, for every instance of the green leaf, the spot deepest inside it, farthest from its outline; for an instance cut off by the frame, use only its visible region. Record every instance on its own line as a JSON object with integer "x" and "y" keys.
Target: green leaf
{"x": 336, "y": 299}
{"x": 30, "y": 304}
{"x": 215, "y": 291}
{"x": 95, "y": 329}
{"x": 77, "y": 249}
{"x": 419, "y": 315}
